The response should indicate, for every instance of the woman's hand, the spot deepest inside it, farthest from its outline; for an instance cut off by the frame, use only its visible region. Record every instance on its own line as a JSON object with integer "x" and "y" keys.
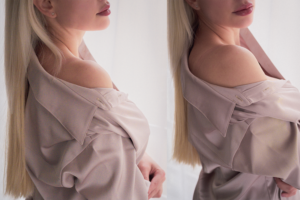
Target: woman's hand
{"x": 287, "y": 189}
{"x": 154, "y": 173}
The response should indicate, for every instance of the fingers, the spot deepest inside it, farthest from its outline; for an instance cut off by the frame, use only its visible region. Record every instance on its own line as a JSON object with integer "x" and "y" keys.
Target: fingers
{"x": 294, "y": 192}
{"x": 158, "y": 194}
{"x": 287, "y": 189}
{"x": 152, "y": 172}
{"x": 155, "y": 189}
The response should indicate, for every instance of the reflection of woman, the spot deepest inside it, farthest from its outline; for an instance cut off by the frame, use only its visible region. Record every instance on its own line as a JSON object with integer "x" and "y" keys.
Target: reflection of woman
{"x": 234, "y": 110}
{"x": 80, "y": 137}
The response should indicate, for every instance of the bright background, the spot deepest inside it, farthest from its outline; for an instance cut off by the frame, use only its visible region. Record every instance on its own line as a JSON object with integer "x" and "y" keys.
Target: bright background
{"x": 134, "y": 52}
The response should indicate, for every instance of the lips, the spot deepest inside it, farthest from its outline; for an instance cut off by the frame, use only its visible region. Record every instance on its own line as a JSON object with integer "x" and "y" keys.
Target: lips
{"x": 104, "y": 9}
{"x": 244, "y": 7}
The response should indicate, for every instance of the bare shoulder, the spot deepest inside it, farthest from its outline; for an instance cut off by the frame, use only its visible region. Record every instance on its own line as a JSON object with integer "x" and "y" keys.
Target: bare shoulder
{"x": 229, "y": 66}
{"x": 87, "y": 73}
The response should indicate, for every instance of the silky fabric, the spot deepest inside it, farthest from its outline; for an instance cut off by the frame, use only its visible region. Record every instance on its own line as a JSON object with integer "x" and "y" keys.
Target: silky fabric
{"x": 82, "y": 143}
{"x": 244, "y": 135}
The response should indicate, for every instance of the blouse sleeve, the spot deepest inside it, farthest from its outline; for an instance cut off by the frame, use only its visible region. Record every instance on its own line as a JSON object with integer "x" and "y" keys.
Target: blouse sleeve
{"x": 270, "y": 145}
{"x": 106, "y": 170}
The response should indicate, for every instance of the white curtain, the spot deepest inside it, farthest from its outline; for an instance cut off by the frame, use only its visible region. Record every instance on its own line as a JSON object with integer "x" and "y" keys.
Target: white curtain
{"x": 134, "y": 52}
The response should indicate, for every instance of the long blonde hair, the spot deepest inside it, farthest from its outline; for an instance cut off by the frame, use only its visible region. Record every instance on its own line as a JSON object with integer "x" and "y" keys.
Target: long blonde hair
{"x": 182, "y": 21}
{"x": 25, "y": 29}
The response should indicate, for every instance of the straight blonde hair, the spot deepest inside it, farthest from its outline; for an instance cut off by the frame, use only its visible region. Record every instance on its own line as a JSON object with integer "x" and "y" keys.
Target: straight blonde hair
{"x": 182, "y": 21}
{"x": 25, "y": 29}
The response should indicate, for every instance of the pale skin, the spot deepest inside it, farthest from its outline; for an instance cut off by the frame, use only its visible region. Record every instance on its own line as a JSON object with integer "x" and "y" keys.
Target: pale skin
{"x": 71, "y": 19}
{"x": 218, "y": 48}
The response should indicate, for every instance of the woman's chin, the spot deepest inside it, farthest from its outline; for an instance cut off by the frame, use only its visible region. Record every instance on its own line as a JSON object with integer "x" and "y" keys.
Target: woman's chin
{"x": 103, "y": 25}
{"x": 244, "y": 23}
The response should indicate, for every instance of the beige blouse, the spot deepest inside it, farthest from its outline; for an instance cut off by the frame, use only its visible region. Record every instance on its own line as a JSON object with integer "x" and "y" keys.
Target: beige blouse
{"x": 245, "y": 135}
{"x": 82, "y": 143}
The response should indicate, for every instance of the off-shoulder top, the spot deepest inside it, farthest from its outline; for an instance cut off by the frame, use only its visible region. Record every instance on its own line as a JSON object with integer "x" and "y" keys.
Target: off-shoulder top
{"x": 82, "y": 143}
{"x": 244, "y": 135}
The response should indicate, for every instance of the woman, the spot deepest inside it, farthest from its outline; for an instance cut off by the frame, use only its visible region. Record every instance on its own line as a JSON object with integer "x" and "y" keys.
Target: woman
{"x": 235, "y": 113}
{"x": 71, "y": 133}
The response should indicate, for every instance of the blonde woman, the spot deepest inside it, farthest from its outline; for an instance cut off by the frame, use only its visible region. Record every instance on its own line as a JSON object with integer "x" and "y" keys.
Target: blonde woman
{"x": 71, "y": 133}
{"x": 235, "y": 114}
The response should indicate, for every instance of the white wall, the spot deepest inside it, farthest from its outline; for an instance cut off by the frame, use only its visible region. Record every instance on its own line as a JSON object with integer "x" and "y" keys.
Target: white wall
{"x": 3, "y": 102}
